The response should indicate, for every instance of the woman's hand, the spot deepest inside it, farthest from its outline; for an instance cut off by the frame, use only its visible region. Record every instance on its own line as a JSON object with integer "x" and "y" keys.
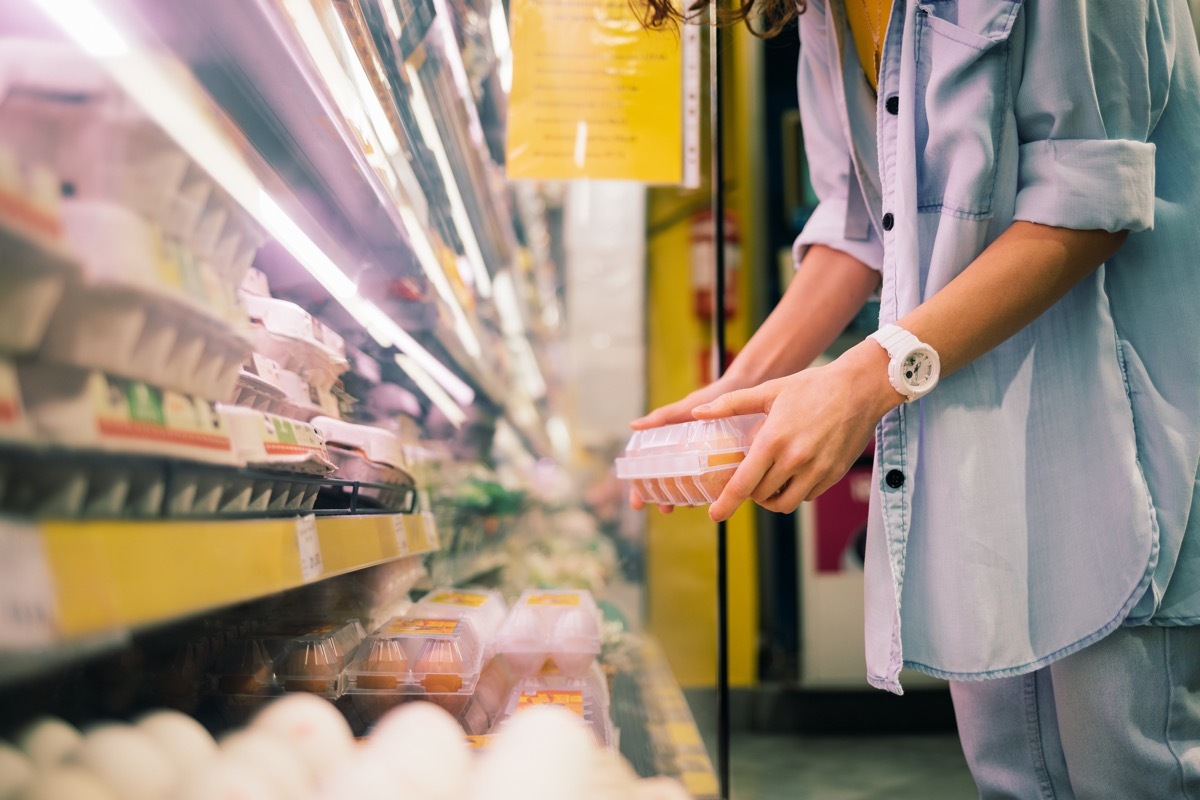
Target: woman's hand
{"x": 819, "y": 421}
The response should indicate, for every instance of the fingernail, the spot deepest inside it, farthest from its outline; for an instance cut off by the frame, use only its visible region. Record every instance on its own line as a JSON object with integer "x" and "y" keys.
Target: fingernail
{"x": 703, "y": 407}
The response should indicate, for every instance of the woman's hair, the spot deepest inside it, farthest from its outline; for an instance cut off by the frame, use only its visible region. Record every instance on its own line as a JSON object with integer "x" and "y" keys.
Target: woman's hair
{"x": 764, "y": 18}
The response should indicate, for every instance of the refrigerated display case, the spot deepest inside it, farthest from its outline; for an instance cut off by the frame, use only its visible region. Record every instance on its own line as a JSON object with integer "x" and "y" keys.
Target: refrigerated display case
{"x": 277, "y": 355}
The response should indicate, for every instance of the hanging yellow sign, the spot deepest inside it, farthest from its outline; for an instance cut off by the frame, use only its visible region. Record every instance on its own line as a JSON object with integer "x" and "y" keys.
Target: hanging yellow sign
{"x": 594, "y": 95}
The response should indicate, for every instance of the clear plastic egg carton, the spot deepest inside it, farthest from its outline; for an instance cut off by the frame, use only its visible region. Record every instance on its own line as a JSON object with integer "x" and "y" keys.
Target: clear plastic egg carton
{"x": 313, "y": 662}
{"x": 370, "y": 455}
{"x": 414, "y": 658}
{"x": 557, "y": 628}
{"x": 483, "y": 608}
{"x": 579, "y": 695}
{"x": 687, "y": 464}
{"x": 296, "y": 340}
{"x": 243, "y": 680}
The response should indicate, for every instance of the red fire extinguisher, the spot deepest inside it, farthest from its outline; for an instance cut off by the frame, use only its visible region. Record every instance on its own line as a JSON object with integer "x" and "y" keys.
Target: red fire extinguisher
{"x": 702, "y": 264}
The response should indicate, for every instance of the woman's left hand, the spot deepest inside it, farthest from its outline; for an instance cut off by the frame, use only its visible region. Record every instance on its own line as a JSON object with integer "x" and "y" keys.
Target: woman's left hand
{"x": 819, "y": 420}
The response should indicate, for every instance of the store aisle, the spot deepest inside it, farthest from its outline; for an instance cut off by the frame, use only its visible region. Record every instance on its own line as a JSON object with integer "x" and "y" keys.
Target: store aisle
{"x": 773, "y": 767}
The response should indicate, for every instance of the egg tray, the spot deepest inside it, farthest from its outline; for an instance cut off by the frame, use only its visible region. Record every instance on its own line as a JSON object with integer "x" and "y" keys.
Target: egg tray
{"x": 558, "y": 628}
{"x": 82, "y": 484}
{"x": 485, "y": 609}
{"x": 575, "y": 694}
{"x": 34, "y": 270}
{"x": 687, "y": 464}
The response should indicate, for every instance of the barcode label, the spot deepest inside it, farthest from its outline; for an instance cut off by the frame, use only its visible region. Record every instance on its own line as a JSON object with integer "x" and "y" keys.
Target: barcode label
{"x": 312, "y": 566}
{"x": 401, "y": 534}
{"x": 27, "y": 607}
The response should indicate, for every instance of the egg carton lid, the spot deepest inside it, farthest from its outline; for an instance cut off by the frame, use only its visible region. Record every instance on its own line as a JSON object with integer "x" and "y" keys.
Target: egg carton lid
{"x": 285, "y": 318}
{"x": 689, "y": 448}
{"x": 377, "y": 444}
{"x": 484, "y": 607}
{"x": 413, "y": 642}
{"x": 544, "y": 619}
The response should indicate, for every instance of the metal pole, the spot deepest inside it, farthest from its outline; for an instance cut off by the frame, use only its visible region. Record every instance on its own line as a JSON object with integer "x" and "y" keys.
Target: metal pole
{"x": 717, "y": 140}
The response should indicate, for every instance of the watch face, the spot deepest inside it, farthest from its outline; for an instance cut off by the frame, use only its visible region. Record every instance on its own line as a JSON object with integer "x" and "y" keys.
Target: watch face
{"x": 917, "y": 369}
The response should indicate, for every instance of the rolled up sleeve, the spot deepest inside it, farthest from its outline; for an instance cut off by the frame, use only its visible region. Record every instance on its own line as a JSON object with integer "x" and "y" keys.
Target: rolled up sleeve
{"x": 1094, "y": 82}
{"x": 841, "y": 219}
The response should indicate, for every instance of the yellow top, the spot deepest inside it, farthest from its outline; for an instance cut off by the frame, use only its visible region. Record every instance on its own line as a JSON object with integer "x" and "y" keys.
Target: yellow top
{"x": 868, "y": 22}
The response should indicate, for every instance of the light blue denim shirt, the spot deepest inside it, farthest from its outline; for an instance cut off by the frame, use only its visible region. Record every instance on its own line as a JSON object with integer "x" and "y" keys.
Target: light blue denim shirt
{"x": 1044, "y": 494}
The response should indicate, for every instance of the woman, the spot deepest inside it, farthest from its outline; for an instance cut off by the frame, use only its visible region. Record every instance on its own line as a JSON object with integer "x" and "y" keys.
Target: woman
{"x": 1020, "y": 183}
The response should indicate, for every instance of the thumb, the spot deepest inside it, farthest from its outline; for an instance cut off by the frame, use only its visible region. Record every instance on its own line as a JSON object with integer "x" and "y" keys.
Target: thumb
{"x": 742, "y": 401}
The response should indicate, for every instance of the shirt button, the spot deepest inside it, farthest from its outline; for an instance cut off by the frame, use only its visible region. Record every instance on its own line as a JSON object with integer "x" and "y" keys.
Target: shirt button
{"x": 892, "y": 105}
{"x": 888, "y": 221}
{"x": 894, "y": 478}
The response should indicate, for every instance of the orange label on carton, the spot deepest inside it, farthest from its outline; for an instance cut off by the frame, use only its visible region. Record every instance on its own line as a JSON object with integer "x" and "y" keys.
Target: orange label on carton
{"x": 722, "y": 459}
{"x": 469, "y": 599}
{"x": 429, "y": 627}
{"x": 549, "y": 599}
{"x": 571, "y": 700}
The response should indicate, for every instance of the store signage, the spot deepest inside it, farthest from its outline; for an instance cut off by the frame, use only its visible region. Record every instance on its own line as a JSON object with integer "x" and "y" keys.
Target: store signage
{"x": 594, "y": 95}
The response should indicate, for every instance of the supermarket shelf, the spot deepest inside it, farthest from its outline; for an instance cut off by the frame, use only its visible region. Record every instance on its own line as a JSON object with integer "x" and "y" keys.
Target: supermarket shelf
{"x": 63, "y": 582}
{"x": 464, "y": 569}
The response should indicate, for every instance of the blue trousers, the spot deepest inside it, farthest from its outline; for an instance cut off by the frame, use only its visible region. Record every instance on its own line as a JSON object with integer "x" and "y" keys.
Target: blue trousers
{"x": 1120, "y": 719}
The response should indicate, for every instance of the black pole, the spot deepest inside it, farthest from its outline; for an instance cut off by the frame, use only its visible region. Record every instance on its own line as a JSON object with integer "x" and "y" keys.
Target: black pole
{"x": 717, "y": 141}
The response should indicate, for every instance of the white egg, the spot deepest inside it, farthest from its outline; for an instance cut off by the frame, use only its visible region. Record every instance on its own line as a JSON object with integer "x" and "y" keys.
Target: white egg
{"x": 271, "y": 758}
{"x": 427, "y": 746}
{"x": 609, "y": 777}
{"x": 661, "y": 789}
{"x": 128, "y": 761}
{"x": 48, "y": 741}
{"x": 68, "y": 783}
{"x": 185, "y": 740}
{"x": 225, "y": 779}
{"x": 314, "y": 727}
{"x": 540, "y": 754}
{"x": 16, "y": 772}
{"x": 364, "y": 777}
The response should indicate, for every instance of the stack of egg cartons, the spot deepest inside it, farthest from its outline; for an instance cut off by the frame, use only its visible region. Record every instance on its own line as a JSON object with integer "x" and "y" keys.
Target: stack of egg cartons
{"x": 128, "y": 349}
{"x": 551, "y": 640}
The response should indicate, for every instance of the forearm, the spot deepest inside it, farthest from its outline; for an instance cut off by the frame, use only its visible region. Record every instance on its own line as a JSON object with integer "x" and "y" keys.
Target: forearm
{"x": 1024, "y": 272}
{"x": 828, "y": 289}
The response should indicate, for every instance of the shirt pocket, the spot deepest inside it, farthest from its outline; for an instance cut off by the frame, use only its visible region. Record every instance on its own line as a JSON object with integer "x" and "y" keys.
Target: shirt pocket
{"x": 962, "y": 53}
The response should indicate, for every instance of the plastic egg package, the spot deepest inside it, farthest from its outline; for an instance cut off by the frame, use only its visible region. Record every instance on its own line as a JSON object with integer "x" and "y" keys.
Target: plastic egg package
{"x": 687, "y": 464}
{"x": 586, "y": 696}
{"x": 414, "y": 658}
{"x": 485, "y": 609}
{"x": 559, "y": 626}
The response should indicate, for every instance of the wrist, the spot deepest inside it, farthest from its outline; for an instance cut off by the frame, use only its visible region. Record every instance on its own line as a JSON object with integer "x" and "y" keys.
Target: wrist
{"x": 868, "y": 363}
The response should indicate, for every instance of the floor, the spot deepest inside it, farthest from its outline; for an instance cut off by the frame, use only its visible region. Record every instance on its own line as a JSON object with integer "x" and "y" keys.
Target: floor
{"x": 773, "y": 767}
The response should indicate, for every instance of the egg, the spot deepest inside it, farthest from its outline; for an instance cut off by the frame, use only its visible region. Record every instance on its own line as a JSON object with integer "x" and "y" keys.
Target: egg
{"x": 426, "y": 745}
{"x": 383, "y": 666}
{"x": 311, "y": 665}
{"x": 185, "y": 740}
{"x": 311, "y": 725}
{"x": 48, "y": 741}
{"x": 68, "y": 783}
{"x": 16, "y": 772}
{"x": 271, "y": 757}
{"x": 660, "y": 789}
{"x": 364, "y": 777}
{"x": 224, "y": 779}
{"x": 544, "y": 753}
{"x": 129, "y": 762}
{"x": 442, "y": 664}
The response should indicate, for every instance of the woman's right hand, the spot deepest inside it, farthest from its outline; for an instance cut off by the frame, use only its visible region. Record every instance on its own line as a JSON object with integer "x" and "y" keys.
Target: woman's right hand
{"x": 679, "y": 411}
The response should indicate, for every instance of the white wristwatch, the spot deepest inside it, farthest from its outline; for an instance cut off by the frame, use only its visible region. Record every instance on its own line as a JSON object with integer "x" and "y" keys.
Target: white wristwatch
{"x": 914, "y": 367}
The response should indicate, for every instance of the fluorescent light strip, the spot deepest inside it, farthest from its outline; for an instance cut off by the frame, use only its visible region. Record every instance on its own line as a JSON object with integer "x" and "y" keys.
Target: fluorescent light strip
{"x": 172, "y": 108}
{"x": 458, "y": 209}
{"x": 432, "y": 390}
{"x": 498, "y": 24}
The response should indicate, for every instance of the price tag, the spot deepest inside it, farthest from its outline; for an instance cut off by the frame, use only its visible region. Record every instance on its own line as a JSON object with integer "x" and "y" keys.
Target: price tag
{"x": 27, "y": 608}
{"x": 401, "y": 534}
{"x": 431, "y": 531}
{"x": 312, "y": 566}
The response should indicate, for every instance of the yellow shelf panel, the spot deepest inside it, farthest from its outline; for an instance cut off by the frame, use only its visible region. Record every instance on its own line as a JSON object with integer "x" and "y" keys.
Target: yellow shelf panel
{"x": 113, "y": 575}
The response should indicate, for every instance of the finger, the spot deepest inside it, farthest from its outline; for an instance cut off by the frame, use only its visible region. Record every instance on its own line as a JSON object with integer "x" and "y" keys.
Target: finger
{"x": 665, "y": 415}
{"x": 742, "y": 401}
{"x": 665, "y": 509}
{"x": 745, "y": 480}
{"x": 635, "y": 500}
{"x": 773, "y": 482}
{"x": 790, "y": 498}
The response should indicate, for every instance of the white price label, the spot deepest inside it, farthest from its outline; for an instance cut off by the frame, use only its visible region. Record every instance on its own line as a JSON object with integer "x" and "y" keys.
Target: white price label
{"x": 27, "y": 608}
{"x": 312, "y": 566}
{"x": 431, "y": 532}
{"x": 401, "y": 534}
